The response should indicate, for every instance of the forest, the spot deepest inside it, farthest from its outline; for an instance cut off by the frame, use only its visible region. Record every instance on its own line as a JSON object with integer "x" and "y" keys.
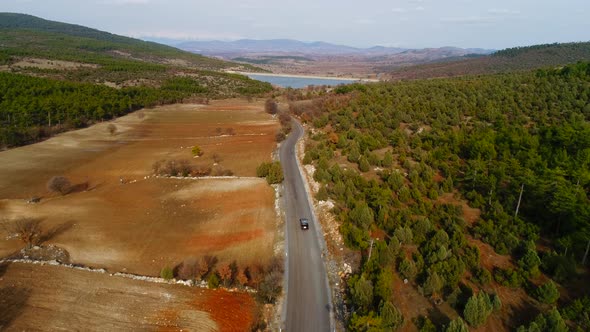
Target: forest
{"x": 397, "y": 160}
{"x": 33, "y": 108}
{"x": 502, "y": 61}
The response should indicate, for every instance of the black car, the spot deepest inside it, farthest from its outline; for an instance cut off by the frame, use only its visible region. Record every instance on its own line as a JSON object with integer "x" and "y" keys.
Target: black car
{"x": 304, "y": 223}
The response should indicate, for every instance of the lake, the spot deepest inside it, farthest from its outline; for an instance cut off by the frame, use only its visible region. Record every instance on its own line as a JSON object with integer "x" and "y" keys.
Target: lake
{"x": 298, "y": 81}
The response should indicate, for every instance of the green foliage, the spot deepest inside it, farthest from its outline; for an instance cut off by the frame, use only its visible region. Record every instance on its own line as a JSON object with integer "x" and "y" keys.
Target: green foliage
{"x": 273, "y": 172}
{"x": 213, "y": 281}
{"x": 166, "y": 273}
{"x": 364, "y": 165}
{"x": 408, "y": 269}
{"x": 196, "y": 151}
{"x": 547, "y": 293}
{"x": 362, "y": 293}
{"x": 477, "y": 309}
{"x": 391, "y": 318}
{"x": 496, "y": 302}
{"x": 509, "y": 60}
{"x": 479, "y": 138}
{"x": 551, "y": 321}
{"x": 387, "y": 159}
{"x": 578, "y": 312}
{"x": 424, "y": 324}
{"x": 362, "y": 216}
{"x": 322, "y": 194}
{"x": 365, "y": 323}
{"x": 384, "y": 285}
{"x": 456, "y": 325}
{"x": 433, "y": 284}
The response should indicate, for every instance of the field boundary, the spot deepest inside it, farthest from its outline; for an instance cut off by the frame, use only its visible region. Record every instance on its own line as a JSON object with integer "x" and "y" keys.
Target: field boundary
{"x": 157, "y": 280}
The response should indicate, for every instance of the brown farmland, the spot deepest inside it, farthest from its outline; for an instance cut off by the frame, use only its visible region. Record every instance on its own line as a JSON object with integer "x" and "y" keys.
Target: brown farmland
{"x": 49, "y": 298}
{"x": 118, "y": 216}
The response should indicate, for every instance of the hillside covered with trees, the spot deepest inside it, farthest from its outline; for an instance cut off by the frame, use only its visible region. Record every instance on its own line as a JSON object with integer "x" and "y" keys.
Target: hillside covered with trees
{"x": 57, "y": 76}
{"x": 504, "y": 61}
{"x": 434, "y": 173}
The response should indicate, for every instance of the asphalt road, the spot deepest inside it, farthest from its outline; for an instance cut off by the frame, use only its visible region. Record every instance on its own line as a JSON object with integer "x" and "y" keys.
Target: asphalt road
{"x": 307, "y": 303}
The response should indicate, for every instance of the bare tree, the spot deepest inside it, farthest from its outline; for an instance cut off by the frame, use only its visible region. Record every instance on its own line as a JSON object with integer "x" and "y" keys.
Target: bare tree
{"x": 225, "y": 272}
{"x": 59, "y": 184}
{"x": 241, "y": 277}
{"x": 188, "y": 269}
{"x": 28, "y": 231}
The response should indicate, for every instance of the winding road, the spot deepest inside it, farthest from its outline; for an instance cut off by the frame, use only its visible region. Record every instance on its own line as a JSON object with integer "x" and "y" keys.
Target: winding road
{"x": 308, "y": 301}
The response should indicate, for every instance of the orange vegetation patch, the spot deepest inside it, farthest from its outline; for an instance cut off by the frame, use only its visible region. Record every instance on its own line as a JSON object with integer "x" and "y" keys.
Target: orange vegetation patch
{"x": 232, "y": 311}
{"x": 209, "y": 242}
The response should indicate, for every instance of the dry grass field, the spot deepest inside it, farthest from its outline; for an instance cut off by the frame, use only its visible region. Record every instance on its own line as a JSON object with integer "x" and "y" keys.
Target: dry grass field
{"x": 49, "y": 298}
{"x": 146, "y": 223}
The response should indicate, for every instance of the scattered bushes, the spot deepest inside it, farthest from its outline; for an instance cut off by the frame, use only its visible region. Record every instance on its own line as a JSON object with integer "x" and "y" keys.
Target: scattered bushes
{"x": 182, "y": 167}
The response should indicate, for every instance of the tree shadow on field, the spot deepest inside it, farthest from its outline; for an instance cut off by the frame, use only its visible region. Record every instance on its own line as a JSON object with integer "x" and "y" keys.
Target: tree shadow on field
{"x": 55, "y": 231}
{"x": 80, "y": 187}
{"x": 13, "y": 301}
{"x": 437, "y": 316}
{"x": 522, "y": 313}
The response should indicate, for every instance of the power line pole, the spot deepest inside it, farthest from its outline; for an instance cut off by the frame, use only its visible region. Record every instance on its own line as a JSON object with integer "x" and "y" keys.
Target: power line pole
{"x": 586, "y": 254}
{"x": 370, "y": 249}
{"x": 519, "y": 199}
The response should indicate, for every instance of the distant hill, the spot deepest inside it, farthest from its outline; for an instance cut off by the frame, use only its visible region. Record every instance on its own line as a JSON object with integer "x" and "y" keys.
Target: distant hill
{"x": 279, "y": 46}
{"x": 26, "y": 35}
{"x": 294, "y": 47}
{"x": 508, "y": 60}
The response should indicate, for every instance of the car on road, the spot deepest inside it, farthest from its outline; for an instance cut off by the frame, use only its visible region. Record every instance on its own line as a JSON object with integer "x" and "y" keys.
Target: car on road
{"x": 304, "y": 223}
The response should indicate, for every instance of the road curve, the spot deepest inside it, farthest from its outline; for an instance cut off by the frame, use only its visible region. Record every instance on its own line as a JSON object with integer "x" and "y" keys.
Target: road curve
{"x": 308, "y": 304}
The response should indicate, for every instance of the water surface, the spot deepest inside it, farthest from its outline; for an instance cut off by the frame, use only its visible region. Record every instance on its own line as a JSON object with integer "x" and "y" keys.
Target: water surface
{"x": 298, "y": 81}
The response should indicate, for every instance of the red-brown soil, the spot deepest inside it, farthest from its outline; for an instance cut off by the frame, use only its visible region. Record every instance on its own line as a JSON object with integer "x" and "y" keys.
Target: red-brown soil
{"x": 50, "y": 298}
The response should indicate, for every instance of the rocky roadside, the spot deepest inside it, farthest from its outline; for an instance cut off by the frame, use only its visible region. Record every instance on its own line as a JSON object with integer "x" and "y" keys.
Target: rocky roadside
{"x": 337, "y": 262}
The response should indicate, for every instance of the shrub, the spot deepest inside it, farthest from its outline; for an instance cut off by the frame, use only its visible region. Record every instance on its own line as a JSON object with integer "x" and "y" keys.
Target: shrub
{"x": 362, "y": 293}
{"x": 322, "y": 194}
{"x": 391, "y": 318}
{"x": 213, "y": 281}
{"x": 59, "y": 184}
{"x": 457, "y": 325}
{"x": 273, "y": 172}
{"x": 112, "y": 129}
{"x": 477, "y": 309}
{"x": 167, "y": 273}
{"x": 196, "y": 151}
{"x": 547, "y": 293}
{"x": 271, "y": 106}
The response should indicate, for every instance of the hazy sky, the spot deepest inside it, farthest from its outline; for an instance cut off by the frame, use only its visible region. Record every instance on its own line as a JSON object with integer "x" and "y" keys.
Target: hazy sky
{"x": 405, "y": 23}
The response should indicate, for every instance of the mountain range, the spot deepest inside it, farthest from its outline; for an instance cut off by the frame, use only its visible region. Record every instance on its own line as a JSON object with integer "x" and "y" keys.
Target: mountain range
{"x": 295, "y": 47}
